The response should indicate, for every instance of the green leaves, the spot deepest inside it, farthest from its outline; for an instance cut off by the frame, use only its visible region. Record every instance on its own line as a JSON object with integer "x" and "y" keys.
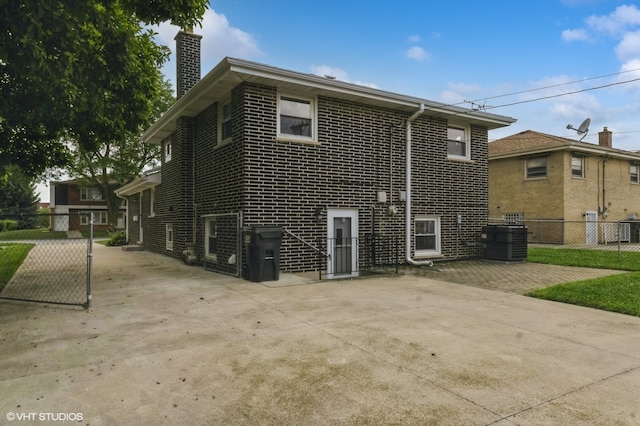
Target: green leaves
{"x": 81, "y": 70}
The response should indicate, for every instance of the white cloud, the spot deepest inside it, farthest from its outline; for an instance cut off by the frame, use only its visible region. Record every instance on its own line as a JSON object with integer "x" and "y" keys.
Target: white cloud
{"x": 417, "y": 53}
{"x": 326, "y": 70}
{"x": 629, "y": 47}
{"x": 338, "y": 73}
{"x": 617, "y": 22}
{"x": 414, "y": 39}
{"x": 575, "y": 35}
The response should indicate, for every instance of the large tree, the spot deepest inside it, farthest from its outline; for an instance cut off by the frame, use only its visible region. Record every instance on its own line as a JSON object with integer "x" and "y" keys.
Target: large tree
{"x": 78, "y": 70}
{"x": 18, "y": 199}
{"x": 115, "y": 162}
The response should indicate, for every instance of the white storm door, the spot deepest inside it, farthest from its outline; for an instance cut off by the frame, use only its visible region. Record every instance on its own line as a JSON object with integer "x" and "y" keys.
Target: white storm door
{"x": 342, "y": 243}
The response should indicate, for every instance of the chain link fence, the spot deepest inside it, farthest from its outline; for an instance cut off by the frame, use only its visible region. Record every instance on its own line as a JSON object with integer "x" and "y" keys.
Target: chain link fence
{"x": 590, "y": 234}
{"x": 41, "y": 264}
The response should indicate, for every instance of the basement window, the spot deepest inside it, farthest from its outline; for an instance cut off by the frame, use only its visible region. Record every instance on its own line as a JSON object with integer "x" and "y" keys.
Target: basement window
{"x": 427, "y": 236}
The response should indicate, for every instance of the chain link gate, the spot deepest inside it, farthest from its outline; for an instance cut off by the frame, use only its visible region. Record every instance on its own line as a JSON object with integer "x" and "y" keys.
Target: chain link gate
{"x": 47, "y": 264}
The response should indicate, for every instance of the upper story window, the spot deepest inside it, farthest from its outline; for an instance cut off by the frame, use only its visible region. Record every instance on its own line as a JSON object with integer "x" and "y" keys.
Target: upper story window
{"x": 577, "y": 166}
{"x": 458, "y": 145}
{"x": 633, "y": 171}
{"x": 90, "y": 194}
{"x": 225, "y": 127}
{"x": 296, "y": 118}
{"x": 167, "y": 151}
{"x": 536, "y": 168}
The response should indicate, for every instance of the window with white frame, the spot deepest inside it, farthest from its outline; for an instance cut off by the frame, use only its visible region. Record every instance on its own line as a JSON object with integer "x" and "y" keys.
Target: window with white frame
{"x": 577, "y": 166}
{"x": 633, "y": 172}
{"x": 536, "y": 168}
{"x": 458, "y": 146}
{"x": 167, "y": 151}
{"x": 427, "y": 236}
{"x": 225, "y": 126}
{"x": 296, "y": 118}
{"x": 211, "y": 249}
{"x": 169, "y": 236}
{"x": 90, "y": 194}
{"x": 99, "y": 218}
{"x": 152, "y": 202}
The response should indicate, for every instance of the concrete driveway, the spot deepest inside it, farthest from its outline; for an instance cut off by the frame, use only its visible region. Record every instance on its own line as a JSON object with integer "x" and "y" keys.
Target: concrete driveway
{"x": 166, "y": 343}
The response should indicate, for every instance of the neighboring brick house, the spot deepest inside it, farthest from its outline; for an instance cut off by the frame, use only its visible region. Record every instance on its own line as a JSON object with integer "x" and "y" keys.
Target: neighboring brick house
{"x": 68, "y": 198}
{"x": 251, "y": 144}
{"x": 534, "y": 175}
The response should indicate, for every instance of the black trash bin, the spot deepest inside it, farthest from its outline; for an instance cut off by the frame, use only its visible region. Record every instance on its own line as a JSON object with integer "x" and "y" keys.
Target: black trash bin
{"x": 263, "y": 253}
{"x": 505, "y": 242}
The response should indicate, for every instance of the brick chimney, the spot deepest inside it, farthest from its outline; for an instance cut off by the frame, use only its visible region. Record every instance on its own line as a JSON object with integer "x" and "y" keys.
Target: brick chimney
{"x": 187, "y": 61}
{"x": 605, "y": 139}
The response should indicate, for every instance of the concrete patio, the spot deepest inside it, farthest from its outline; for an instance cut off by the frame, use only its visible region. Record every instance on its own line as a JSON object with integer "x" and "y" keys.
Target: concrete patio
{"x": 166, "y": 343}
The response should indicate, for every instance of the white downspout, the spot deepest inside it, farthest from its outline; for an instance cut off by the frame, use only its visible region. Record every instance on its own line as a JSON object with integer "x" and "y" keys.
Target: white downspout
{"x": 408, "y": 192}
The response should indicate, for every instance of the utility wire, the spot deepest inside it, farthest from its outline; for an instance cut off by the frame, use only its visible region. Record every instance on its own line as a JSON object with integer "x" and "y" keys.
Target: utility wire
{"x": 552, "y": 86}
{"x": 563, "y": 94}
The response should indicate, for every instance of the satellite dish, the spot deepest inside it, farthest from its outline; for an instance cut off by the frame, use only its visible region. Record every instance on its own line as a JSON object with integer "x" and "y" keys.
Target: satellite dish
{"x": 583, "y": 129}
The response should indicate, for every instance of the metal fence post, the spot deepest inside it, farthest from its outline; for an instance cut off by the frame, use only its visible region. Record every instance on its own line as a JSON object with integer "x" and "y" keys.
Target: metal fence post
{"x": 87, "y": 305}
{"x": 619, "y": 238}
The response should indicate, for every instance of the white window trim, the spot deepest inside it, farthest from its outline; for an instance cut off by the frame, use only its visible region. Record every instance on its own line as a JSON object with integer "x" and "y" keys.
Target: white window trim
{"x": 438, "y": 233}
{"x": 637, "y": 174}
{"x": 169, "y": 236}
{"x": 97, "y": 218}
{"x": 582, "y": 166}
{"x": 313, "y": 102}
{"x": 167, "y": 150}
{"x": 526, "y": 168}
{"x": 152, "y": 202}
{"x": 87, "y": 192}
{"x": 467, "y": 141}
{"x": 221, "y": 106}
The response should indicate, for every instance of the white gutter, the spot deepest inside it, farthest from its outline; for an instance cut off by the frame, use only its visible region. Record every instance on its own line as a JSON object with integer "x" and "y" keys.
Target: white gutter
{"x": 408, "y": 197}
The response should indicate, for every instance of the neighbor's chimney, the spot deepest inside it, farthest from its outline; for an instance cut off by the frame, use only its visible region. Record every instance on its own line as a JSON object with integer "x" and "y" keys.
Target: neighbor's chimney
{"x": 605, "y": 139}
{"x": 187, "y": 61}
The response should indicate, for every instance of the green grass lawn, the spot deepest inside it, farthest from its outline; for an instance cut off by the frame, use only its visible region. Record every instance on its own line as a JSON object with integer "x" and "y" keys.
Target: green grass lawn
{"x": 33, "y": 234}
{"x": 617, "y": 293}
{"x": 11, "y": 257}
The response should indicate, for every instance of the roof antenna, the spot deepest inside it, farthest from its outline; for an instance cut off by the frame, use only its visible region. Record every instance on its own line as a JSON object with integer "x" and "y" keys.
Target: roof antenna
{"x": 583, "y": 129}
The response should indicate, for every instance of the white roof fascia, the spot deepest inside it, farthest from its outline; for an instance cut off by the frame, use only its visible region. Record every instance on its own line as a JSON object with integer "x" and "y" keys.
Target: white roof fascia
{"x": 234, "y": 71}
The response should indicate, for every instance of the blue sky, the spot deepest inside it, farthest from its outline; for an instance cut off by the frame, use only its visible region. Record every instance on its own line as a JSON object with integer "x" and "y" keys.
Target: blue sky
{"x": 453, "y": 51}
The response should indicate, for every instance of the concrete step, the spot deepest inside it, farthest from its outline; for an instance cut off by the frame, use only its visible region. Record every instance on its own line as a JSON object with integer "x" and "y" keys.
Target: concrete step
{"x": 132, "y": 247}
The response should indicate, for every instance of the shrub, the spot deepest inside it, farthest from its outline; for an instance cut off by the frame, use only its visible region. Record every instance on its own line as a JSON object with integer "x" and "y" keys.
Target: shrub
{"x": 8, "y": 225}
{"x": 117, "y": 239}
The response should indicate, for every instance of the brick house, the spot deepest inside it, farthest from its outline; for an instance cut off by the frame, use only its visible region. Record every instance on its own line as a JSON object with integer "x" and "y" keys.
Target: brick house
{"x": 69, "y": 197}
{"x": 325, "y": 160}
{"x": 533, "y": 175}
